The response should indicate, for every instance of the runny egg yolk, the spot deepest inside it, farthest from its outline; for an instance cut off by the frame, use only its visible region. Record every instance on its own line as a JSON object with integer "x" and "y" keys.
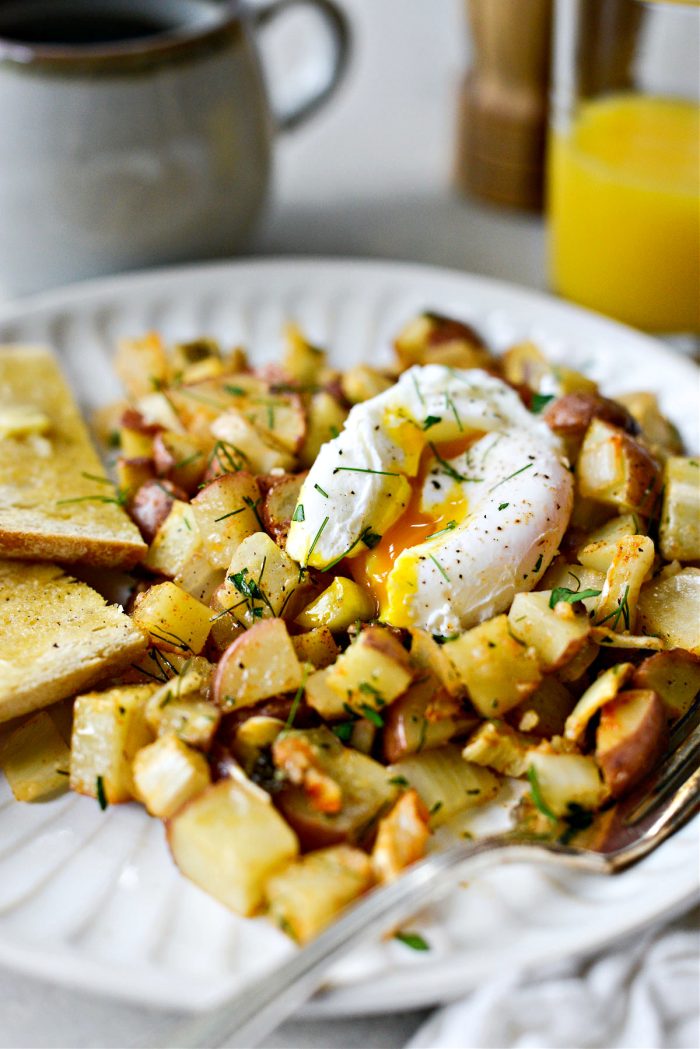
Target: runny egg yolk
{"x": 372, "y": 569}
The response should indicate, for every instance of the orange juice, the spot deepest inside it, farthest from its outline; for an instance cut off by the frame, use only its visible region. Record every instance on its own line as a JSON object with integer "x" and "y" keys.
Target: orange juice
{"x": 624, "y": 207}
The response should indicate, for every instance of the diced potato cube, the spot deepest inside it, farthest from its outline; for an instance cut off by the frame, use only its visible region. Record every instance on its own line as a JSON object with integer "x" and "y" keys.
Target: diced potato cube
{"x": 260, "y": 453}
{"x": 432, "y": 338}
{"x": 616, "y": 470}
{"x": 186, "y": 353}
{"x": 339, "y": 606}
{"x": 132, "y": 473}
{"x": 259, "y": 664}
{"x": 659, "y": 433}
{"x": 674, "y": 676}
{"x": 142, "y": 364}
{"x": 372, "y": 672}
{"x": 135, "y": 444}
{"x": 198, "y": 577}
{"x": 544, "y": 713}
{"x": 251, "y": 739}
{"x": 670, "y": 609}
{"x": 362, "y": 382}
{"x": 603, "y": 689}
{"x": 35, "y": 759}
{"x": 567, "y": 779}
{"x": 609, "y": 532}
{"x": 326, "y": 418}
{"x": 109, "y": 728}
{"x": 445, "y": 782}
{"x": 308, "y": 894}
{"x": 630, "y": 739}
{"x": 280, "y": 418}
{"x": 279, "y": 505}
{"x": 632, "y": 563}
{"x": 557, "y": 634}
{"x": 499, "y": 747}
{"x": 225, "y": 512}
{"x": 158, "y": 409}
{"x": 225, "y": 624}
{"x": 424, "y": 716}
{"x": 229, "y": 840}
{"x": 498, "y": 670}
{"x": 175, "y": 620}
{"x": 180, "y": 458}
{"x": 335, "y": 794}
{"x": 168, "y": 773}
{"x": 317, "y": 647}
{"x": 176, "y": 541}
{"x": 194, "y": 721}
{"x": 402, "y": 837}
{"x": 429, "y": 655}
{"x": 679, "y": 530}
{"x": 263, "y": 581}
{"x": 301, "y": 361}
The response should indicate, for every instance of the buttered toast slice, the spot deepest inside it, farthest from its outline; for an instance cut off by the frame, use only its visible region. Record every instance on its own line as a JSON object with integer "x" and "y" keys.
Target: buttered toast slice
{"x": 58, "y": 637}
{"x": 49, "y": 509}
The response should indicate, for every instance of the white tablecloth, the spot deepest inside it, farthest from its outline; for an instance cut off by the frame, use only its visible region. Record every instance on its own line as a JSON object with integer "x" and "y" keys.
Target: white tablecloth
{"x": 371, "y": 176}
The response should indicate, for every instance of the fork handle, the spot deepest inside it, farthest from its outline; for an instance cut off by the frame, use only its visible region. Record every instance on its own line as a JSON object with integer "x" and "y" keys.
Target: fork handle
{"x": 261, "y": 1006}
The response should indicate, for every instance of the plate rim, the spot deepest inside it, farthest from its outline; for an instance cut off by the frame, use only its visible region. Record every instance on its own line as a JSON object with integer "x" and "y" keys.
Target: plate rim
{"x": 119, "y": 287}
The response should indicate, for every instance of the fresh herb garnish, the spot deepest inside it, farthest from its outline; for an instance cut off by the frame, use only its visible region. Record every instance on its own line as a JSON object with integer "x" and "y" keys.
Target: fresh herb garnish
{"x": 188, "y": 461}
{"x": 253, "y": 505}
{"x": 449, "y": 403}
{"x": 540, "y": 401}
{"x": 449, "y": 527}
{"x": 298, "y": 514}
{"x": 100, "y": 791}
{"x": 502, "y": 506}
{"x": 295, "y": 702}
{"x": 528, "y": 466}
{"x": 343, "y": 731}
{"x": 371, "y": 714}
{"x": 538, "y": 563}
{"x": 236, "y": 391}
{"x": 320, "y": 490}
{"x": 370, "y": 538}
{"x": 232, "y": 513}
{"x": 413, "y": 940}
{"x": 439, "y": 567}
{"x": 399, "y": 781}
{"x": 539, "y": 801}
{"x": 435, "y": 808}
{"x": 421, "y": 398}
{"x": 431, "y": 420}
{"x": 316, "y": 538}
{"x": 365, "y": 470}
{"x": 563, "y": 593}
{"x": 448, "y": 468}
{"x": 623, "y": 609}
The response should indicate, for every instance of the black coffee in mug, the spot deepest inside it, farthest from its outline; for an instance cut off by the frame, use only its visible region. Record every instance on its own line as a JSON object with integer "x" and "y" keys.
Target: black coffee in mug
{"x": 75, "y": 23}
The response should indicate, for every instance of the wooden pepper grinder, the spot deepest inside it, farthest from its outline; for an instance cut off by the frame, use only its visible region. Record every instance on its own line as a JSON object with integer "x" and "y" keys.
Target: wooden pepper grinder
{"x": 503, "y": 102}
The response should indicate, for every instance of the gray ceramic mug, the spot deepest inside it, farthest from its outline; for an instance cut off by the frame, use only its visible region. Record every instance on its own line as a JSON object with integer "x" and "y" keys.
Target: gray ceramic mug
{"x": 136, "y": 132}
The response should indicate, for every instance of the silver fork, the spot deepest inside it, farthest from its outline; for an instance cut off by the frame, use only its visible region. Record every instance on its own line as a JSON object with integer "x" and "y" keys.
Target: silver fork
{"x": 628, "y": 833}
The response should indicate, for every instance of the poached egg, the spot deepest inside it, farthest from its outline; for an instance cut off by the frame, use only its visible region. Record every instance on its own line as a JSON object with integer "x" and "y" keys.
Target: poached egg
{"x": 444, "y": 495}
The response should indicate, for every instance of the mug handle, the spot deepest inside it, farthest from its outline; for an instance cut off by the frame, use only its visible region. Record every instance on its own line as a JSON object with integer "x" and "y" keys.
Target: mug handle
{"x": 338, "y": 29}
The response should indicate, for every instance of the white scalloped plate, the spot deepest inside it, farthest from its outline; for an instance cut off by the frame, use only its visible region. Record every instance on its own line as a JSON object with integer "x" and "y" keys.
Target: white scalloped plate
{"x": 92, "y": 900}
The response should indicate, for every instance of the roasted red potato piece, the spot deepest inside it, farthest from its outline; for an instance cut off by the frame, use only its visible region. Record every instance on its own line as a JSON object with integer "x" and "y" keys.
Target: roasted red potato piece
{"x": 152, "y": 504}
{"x": 572, "y": 414}
{"x": 674, "y": 676}
{"x": 630, "y": 739}
{"x": 279, "y": 504}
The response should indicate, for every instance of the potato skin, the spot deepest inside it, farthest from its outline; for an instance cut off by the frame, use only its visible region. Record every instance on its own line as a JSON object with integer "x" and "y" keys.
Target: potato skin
{"x": 630, "y": 739}
{"x": 152, "y": 504}
{"x": 571, "y": 415}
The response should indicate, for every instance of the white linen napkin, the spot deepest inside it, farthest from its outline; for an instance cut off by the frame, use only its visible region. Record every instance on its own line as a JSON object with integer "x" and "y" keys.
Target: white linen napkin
{"x": 643, "y": 995}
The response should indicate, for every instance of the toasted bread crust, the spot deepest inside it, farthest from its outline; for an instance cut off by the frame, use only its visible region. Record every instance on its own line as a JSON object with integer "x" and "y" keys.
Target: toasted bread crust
{"x": 59, "y": 637}
{"x": 51, "y": 506}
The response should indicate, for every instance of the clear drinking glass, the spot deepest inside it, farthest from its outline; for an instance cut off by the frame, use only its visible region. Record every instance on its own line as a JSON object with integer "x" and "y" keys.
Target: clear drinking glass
{"x": 624, "y": 161}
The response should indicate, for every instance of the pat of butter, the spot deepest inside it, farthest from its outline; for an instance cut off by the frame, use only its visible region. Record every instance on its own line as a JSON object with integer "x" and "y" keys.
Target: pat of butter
{"x": 20, "y": 420}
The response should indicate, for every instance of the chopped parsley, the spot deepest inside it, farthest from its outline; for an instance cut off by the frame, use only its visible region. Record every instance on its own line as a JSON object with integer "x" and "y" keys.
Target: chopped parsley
{"x": 343, "y": 731}
{"x": 502, "y": 506}
{"x": 540, "y": 401}
{"x": 413, "y": 940}
{"x": 431, "y": 420}
{"x": 563, "y": 593}
{"x": 100, "y": 791}
{"x": 298, "y": 514}
{"x": 370, "y": 538}
{"x": 399, "y": 781}
{"x": 371, "y": 714}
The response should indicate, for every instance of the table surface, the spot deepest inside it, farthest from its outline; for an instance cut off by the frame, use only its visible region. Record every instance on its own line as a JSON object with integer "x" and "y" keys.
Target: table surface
{"x": 381, "y": 157}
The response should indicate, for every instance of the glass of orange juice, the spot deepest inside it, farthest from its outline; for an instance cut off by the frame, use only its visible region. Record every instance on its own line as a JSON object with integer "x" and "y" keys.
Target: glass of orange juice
{"x": 624, "y": 161}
